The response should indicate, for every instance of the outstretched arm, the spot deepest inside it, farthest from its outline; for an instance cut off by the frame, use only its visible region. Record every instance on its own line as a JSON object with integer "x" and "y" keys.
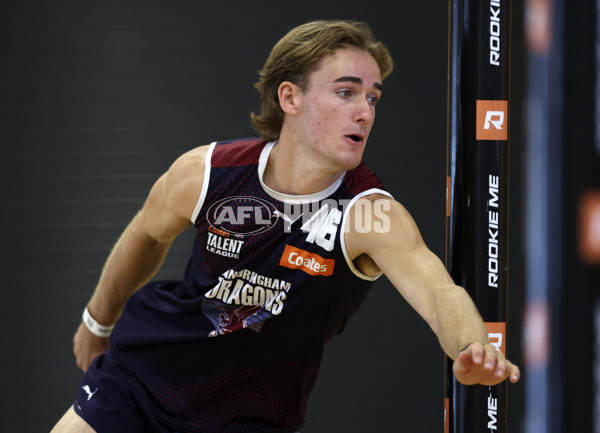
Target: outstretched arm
{"x": 422, "y": 279}
{"x": 141, "y": 248}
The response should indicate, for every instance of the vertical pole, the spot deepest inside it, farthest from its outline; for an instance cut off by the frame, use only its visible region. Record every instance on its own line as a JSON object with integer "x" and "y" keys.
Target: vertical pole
{"x": 477, "y": 191}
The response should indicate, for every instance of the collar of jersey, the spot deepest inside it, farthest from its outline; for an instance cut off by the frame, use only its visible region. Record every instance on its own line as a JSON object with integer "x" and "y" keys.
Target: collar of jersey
{"x": 292, "y": 198}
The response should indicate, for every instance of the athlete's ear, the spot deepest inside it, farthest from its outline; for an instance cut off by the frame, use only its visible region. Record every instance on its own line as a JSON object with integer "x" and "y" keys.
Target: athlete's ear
{"x": 289, "y": 97}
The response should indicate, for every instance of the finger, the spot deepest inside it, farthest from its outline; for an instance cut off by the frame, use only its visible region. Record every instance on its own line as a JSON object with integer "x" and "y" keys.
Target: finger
{"x": 465, "y": 360}
{"x": 500, "y": 365}
{"x": 490, "y": 357}
{"x": 501, "y": 369}
{"x": 514, "y": 372}
{"x": 476, "y": 352}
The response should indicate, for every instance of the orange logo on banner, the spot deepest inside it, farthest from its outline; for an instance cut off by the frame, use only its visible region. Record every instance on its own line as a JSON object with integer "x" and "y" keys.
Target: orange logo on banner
{"x": 497, "y": 335}
{"x": 589, "y": 227}
{"x": 492, "y": 120}
{"x": 313, "y": 264}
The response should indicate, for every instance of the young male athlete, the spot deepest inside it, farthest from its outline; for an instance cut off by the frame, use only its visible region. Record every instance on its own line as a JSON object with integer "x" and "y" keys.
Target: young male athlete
{"x": 292, "y": 230}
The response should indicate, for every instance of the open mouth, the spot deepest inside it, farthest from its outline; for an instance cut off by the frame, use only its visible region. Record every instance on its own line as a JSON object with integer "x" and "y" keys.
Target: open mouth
{"x": 355, "y": 138}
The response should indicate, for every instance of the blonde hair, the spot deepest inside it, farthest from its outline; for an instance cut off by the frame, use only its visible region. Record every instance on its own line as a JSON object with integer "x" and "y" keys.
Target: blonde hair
{"x": 299, "y": 53}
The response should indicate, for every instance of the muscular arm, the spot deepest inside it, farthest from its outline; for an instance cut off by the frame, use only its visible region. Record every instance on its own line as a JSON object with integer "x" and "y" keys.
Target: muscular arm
{"x": 142, "y": 247}
{"x": 423, "y": 281}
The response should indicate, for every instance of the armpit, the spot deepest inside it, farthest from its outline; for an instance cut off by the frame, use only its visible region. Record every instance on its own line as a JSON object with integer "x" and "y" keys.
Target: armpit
{"x": 366, "y": 265}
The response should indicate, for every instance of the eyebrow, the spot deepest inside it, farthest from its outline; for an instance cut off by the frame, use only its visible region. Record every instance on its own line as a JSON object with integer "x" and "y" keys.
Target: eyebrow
{"x": 357, "y": 80}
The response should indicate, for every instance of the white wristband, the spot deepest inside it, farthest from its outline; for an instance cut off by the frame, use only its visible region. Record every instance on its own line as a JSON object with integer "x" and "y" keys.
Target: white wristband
{"x": 94, "y": 327}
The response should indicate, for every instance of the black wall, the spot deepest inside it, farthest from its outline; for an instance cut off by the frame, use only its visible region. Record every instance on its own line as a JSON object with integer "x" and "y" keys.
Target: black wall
{"x": 97, "y": 98}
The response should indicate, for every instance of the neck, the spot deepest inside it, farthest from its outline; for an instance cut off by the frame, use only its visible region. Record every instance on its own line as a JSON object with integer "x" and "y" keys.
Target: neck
{"x": 290, "y": 170}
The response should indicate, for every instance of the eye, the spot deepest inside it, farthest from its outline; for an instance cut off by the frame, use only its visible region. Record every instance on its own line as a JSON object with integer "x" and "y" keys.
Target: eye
{"x": 373, "y": 100}
{"x": 344, "y": 93}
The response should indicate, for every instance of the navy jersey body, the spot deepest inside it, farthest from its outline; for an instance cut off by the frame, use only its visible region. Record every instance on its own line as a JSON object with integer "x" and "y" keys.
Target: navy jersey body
{"x": 236, "y": 345}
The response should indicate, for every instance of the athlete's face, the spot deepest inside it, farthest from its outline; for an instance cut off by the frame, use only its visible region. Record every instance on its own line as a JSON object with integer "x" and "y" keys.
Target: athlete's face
{"x": 337, "y": 109}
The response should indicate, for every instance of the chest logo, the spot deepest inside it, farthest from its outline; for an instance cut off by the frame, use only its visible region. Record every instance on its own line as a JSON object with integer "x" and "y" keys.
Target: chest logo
{"x": 312, "y": 264}
{"x": 242, "y": 215}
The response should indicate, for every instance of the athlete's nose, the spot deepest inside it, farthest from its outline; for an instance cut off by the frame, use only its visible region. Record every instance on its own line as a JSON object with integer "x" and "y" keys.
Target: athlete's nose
{"x": 365, "y": 111}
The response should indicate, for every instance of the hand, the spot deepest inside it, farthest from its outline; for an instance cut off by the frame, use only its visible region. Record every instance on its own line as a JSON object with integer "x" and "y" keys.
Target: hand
{"x": 485, "y": 365}
{"x": 87, "y": 346}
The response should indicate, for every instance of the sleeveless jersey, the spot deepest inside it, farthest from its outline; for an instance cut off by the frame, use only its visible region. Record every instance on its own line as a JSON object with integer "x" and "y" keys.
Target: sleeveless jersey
{"x": 236, "y": 345}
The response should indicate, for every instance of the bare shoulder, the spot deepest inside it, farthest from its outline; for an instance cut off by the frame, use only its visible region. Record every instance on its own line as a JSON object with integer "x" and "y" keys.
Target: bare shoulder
{"x": 377, "y": 222}
{"x": 189, "y": 165}
{"x": 182, "y": 183}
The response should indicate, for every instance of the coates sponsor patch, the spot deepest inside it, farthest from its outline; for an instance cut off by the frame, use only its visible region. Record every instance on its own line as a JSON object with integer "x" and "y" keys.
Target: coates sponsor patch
{"x": 313, "y": 264}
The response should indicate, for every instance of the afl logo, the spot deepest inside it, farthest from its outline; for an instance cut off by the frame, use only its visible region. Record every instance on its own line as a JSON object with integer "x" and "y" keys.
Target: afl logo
{"x": 242, "y": 215}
